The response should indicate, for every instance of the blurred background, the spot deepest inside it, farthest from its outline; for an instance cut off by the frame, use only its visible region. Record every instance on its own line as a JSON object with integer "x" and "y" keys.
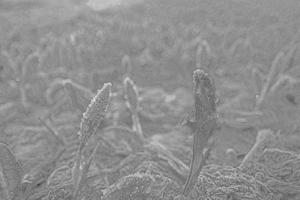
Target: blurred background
{"x": 250, "y": 48}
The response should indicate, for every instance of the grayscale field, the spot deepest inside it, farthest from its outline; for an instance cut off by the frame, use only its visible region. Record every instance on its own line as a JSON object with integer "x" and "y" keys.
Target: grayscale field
{"x": 149, "y": 100}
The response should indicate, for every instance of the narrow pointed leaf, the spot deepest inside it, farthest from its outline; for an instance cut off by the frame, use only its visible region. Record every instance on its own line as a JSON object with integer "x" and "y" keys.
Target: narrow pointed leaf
{"x": 10, "y": 169}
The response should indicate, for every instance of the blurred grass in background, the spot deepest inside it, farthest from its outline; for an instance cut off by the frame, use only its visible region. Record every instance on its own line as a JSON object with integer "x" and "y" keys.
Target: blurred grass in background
{"x": 44, "y": 42}
{"x": 50, "y": 46}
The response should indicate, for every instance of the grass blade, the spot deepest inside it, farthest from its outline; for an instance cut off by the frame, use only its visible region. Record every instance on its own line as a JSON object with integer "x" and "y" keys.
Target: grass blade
{"x": 11, "y": 170}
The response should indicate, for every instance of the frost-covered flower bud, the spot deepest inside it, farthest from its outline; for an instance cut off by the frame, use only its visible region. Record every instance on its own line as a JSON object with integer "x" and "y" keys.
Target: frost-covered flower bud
{"x": 204, "y": 95}
{"x": 95, "y": 112}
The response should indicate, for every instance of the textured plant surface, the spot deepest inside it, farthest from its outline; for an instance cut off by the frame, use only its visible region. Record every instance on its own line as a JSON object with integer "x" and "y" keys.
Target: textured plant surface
{"x": 142, "y": 186}
{"x": 279, "y": 170}
{"x": 223, "y": 182}
{"x": 204, "y": 122}
{"x": 92, "y": 104}
{"x": 11, "y": 173}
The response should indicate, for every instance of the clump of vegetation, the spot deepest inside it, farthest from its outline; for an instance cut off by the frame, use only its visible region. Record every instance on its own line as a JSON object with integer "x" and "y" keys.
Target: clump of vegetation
{"x": 23, "y": 186}
{"x": 206, "y": 181}
{"x": 224, "y": 182}
{"x": 142, "y": 186}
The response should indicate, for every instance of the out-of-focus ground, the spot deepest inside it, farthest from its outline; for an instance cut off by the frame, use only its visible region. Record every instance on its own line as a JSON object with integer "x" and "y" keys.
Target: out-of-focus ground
{"x": 86, "y": 40}
{"x": 159, "y": 36}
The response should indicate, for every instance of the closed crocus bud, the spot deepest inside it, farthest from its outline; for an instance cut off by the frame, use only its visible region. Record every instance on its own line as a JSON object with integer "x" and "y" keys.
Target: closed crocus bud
{"x": 204, "y": 123}
{"x": 131, "y": 94}
{"x": 90, "y": 122}
{"x": 132, "y": 97}
{"x": 203, "y": 55}
{"x": 95, "y": 112}
{"x": 204, "y": 95}
{"x": 126, "y": 66}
